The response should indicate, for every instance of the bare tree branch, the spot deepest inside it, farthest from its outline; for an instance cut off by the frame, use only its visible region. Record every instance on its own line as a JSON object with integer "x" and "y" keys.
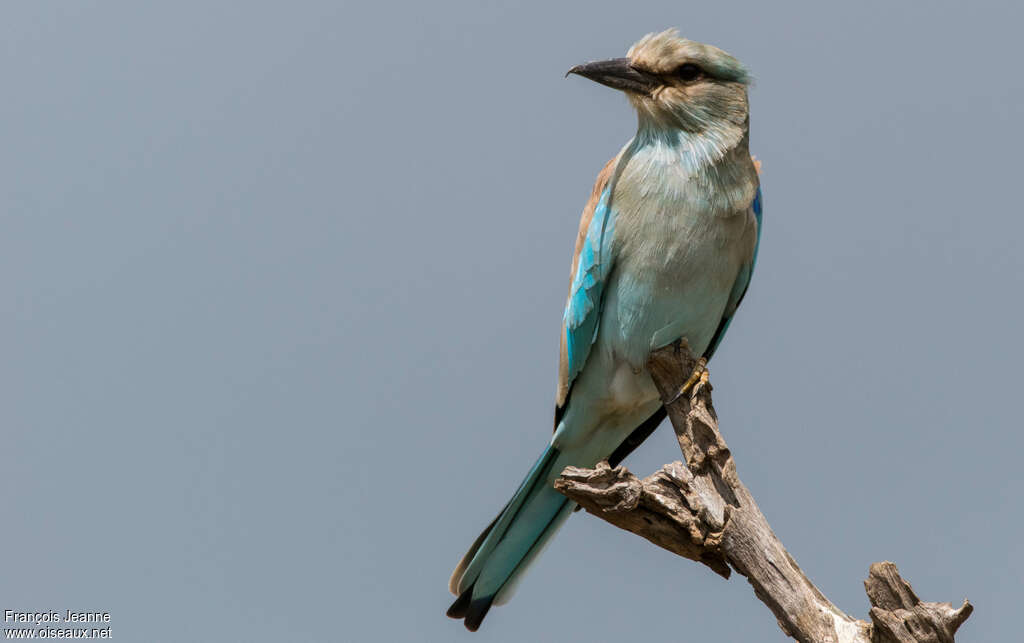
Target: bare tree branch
{"x": 703, "y": 512}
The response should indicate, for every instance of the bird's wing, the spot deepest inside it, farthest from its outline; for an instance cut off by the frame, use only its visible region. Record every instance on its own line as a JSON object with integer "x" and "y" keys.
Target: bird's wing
{"x": 591, "y": 264}
{"x": 739, "y": 288}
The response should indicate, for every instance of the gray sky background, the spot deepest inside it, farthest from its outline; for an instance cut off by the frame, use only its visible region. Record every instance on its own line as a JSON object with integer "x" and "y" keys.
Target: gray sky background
{"x": 280, "y": 289}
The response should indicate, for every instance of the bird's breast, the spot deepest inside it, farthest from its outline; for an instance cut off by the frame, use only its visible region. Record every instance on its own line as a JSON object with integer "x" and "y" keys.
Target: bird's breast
{"x": 678, "y": 255}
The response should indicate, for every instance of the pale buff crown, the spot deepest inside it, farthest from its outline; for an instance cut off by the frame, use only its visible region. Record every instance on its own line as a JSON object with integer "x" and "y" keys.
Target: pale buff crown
{"x": 662, "y": 53}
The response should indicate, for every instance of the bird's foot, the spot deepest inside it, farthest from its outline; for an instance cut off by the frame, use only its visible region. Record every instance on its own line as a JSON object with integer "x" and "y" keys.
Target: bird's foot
{"x": 699, "y": 374}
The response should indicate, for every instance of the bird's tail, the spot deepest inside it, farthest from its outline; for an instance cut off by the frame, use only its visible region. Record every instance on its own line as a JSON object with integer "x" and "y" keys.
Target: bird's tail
{"x": 501, "y": 554}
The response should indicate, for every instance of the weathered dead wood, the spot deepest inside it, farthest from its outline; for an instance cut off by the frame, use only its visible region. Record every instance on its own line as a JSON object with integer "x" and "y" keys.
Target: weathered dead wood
{"x": 703, "y": 512}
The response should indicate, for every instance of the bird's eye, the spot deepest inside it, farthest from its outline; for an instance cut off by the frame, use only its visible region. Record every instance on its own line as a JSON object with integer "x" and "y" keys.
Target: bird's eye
{"x": 689, "y": 72}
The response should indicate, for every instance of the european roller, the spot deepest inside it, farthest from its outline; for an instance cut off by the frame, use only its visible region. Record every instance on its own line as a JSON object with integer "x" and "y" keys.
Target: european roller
{"x": 665, "y": 250}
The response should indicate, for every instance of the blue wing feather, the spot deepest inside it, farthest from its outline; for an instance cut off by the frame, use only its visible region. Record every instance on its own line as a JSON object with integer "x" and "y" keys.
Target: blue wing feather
{"x": 583, "y": 311}
{"x": 756, "y": 206}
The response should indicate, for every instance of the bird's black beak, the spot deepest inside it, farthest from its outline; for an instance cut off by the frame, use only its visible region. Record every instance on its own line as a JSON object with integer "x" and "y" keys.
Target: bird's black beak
{"x": 618, "y": 73}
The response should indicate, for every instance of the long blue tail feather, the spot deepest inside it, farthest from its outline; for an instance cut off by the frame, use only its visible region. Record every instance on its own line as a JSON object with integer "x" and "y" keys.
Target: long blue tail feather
{"x": 501, "y": 554}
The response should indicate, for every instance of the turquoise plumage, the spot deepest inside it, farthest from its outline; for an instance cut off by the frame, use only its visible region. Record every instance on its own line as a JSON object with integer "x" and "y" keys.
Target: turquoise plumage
{"x": 582, "y": 315}
{"x": 666, "y": 249}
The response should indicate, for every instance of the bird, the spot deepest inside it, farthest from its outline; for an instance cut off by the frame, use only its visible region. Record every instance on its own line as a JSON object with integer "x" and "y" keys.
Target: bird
{"x": 665, "y": 251}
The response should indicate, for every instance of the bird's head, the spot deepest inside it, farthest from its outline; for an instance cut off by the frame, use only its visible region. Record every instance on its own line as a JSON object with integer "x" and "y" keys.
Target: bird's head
{"x": 677, "y": 83}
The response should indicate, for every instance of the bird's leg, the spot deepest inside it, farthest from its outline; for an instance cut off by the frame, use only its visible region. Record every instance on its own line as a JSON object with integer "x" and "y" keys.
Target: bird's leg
{"x": 699, "y": 374}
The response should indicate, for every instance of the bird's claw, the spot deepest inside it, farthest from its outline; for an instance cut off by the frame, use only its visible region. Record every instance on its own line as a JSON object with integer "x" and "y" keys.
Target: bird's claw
{"x": 699, "y": 374}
